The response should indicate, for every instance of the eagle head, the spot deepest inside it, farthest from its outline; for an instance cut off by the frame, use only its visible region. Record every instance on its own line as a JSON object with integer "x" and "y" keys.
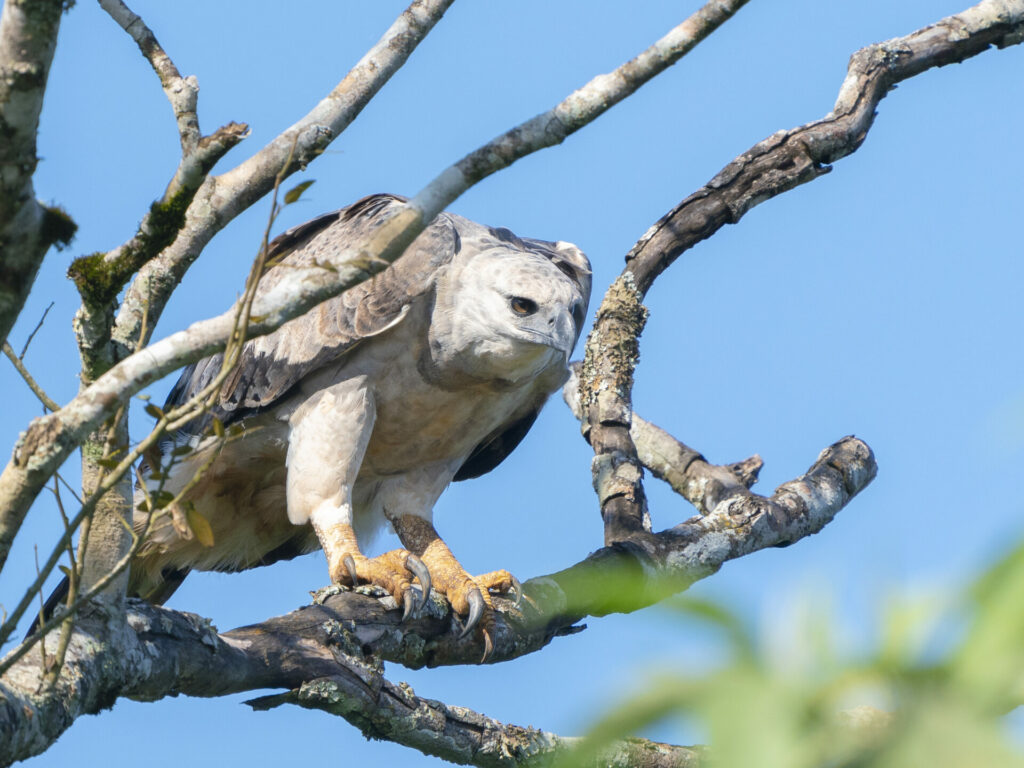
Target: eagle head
{"x": 513, "y": 309}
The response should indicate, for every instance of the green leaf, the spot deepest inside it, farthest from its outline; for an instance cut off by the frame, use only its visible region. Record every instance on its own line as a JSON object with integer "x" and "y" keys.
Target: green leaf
{"x": 107, "y": 463}
{"x": 990, "y": 661}
{"x": 162, "y": 498}
{"x": 65, "y": 570}
{"x": 218, "y": 427}
{"x": 182, "y": 450}
{"x": 295, "y": 192}
{"x": 154, "y": 411}
{"x": 200, "y": 526}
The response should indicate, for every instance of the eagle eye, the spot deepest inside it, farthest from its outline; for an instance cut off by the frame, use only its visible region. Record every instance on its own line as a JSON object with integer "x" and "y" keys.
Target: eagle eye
{"x": 522, "y": 306}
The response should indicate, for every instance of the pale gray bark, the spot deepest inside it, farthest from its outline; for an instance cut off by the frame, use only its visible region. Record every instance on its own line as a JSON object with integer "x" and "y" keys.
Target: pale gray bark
{"x": 578, "y": 109}
{"x": 688, "y": 473}
{"x": 28, "y": 37}
{"x": 181, "y": 92}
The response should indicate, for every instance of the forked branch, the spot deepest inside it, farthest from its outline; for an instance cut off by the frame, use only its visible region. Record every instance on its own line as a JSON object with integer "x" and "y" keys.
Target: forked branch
{"x": 781, "y": 162}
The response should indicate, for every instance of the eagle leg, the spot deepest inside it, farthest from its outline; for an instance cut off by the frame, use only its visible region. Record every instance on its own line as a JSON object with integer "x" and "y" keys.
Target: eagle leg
{"x": 393, "y": 571}
{"x": 468, "y": 595}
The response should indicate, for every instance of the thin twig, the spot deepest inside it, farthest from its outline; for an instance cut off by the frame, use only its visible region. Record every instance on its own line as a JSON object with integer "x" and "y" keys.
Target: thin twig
{"x": 42, "y": 609}
{"x": 69, "y": 488}
{"x": 67, "y": 626}
{"x": 35, "y": 330}
{"x": 64, "y": 518}
{"x": 37, "y": 390}
{"x": 168, "y": 421}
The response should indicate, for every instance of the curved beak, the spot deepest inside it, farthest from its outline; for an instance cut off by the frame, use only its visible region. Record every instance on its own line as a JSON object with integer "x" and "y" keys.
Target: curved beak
{"x": 556, "y": 329}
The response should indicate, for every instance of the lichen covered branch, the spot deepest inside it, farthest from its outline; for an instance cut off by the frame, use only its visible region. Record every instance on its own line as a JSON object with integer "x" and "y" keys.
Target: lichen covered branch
{"x": 686, "y": 470}
{"x": 162, "y": 653}
{"x": 327, "y": 654}
{"x": 460, "y": 735}
{"x": 100, "y": 276}
{"x": 781, "y": 162}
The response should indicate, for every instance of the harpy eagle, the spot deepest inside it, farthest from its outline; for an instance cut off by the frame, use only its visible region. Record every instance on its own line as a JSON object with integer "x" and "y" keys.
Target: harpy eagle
{"x": 362, "y": 411}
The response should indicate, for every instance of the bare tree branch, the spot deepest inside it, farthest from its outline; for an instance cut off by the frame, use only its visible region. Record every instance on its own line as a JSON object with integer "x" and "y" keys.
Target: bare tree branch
{"x": 32, "y": 335}
{"x": 182, "y": 92}
{"x": 28, "y": 37}
{"x": 301, "y": 647}
{"x": 32, "y": 383}
{"x": 222, "y": 198}
{"x": 326, "y": 652}
{"x": 777, "y": 164}
{"x": 99, "y": 277}
{"x": 790, "y": 158}
{"x": 578, "y": 109}
{"x": 47, "y": 443}
{"x": 691, "y": 475}
{"x": 462, "y": 736}
{"x": 165, "y": 653}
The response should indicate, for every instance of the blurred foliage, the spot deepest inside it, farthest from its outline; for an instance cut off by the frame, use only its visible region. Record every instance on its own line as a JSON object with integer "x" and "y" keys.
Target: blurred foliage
{"x": 933, "y": 690}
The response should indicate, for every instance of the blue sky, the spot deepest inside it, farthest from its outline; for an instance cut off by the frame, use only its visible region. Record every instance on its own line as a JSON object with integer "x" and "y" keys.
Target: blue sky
{"x": 881, "y": 300}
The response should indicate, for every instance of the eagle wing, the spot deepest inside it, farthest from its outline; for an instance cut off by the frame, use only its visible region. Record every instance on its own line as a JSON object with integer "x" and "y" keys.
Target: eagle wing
{"x": 271, "y": 366}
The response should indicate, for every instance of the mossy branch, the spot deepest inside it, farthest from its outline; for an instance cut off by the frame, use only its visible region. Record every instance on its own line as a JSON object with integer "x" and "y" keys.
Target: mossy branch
{"x": 99, "y": 276}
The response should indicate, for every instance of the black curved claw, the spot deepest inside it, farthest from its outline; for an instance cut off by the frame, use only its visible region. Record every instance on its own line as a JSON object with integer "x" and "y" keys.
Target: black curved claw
{"x": 350, "y": 566}
{"x": 409, "y": 601}
{"x": 419, "y": 570}
{"x": 488, "y": 646}
{"x": 517, "y": 590}
{"x": 476, "y": 610}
